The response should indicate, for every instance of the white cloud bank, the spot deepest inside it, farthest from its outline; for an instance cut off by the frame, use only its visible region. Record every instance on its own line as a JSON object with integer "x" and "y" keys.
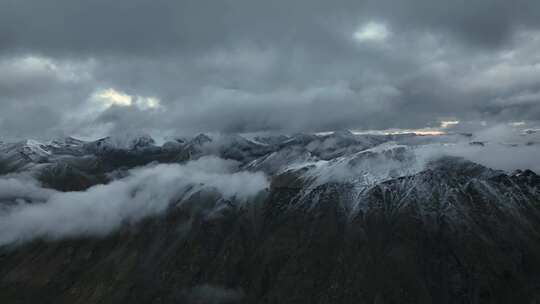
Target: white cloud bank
{"x": 104, "y": 208}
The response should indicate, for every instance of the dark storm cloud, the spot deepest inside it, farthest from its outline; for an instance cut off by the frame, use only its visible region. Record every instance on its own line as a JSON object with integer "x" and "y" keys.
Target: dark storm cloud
{"x": 483, "y": 22}
{"x": 139, "y": 25}
{"x": 238, "y": 65}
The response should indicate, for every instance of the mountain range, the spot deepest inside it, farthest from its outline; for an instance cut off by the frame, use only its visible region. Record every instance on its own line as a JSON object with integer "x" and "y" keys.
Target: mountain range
{"x": 301, "y": 218}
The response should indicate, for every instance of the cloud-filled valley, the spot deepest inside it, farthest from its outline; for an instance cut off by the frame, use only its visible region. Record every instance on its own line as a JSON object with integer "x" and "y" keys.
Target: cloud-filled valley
{"x": 43, "y": 213}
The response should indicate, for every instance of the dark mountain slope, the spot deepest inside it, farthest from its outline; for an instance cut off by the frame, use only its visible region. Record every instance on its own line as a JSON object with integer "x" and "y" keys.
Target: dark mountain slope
{"x": 456, "y": 232}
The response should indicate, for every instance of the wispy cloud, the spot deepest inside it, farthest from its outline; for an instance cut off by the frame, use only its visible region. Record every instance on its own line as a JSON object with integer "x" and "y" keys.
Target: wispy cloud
{"x": 104, "y": 208}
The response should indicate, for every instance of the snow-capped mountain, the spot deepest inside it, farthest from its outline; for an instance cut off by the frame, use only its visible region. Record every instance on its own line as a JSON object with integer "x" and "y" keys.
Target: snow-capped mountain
{"x": 126, "y": 142}
{"x": 354, "y": 218}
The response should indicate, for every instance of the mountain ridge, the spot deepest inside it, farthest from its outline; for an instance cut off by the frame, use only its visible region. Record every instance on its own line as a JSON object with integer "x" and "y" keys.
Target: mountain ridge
{"x": 342, "y": 219}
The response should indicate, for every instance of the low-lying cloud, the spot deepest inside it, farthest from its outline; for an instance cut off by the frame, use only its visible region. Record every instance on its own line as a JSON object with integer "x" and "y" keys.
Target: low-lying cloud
{"x": 104, "y": 208}
{"x": 493, "y": 155}
{"x": 21, "y": 190}
{"x": 501, "y": 147}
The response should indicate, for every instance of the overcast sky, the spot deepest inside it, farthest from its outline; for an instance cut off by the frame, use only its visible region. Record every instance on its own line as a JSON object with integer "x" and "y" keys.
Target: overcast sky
{"x": 89, "y": 68}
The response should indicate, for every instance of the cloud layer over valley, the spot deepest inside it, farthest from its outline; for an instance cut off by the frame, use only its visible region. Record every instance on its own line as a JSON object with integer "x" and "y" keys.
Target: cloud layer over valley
{"x": 32, "y": 212}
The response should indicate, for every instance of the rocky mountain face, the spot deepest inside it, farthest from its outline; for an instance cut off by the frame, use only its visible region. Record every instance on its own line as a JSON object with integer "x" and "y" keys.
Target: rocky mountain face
{"x": 345, "y": 219}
